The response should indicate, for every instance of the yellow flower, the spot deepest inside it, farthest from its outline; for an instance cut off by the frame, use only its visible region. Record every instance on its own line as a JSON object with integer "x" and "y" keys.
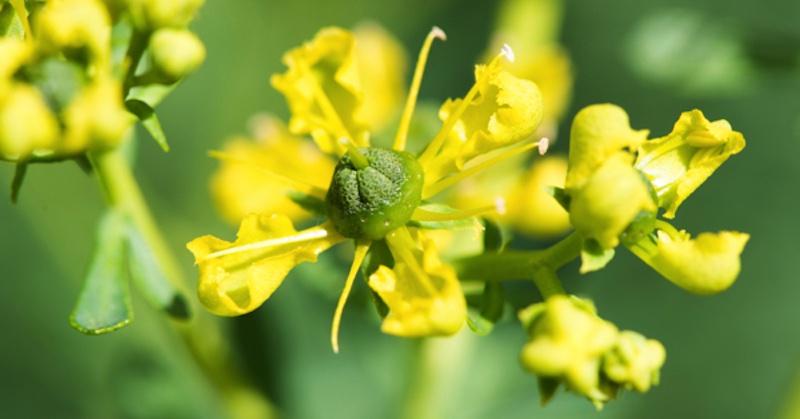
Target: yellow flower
{"x": 568, "y": 342}
{"x": 155, "y": 14}
{"x": 375, "y": 195}
{"x": 706, "y": 265}
{"x": 680, "y": 162}
{"x": 26, "y": 123}
{"x": 323, "y": 90}
{"x": 240, "y": 189}
{"x": 70, "y": 26}
{"x": 530, "y": 208}
{"x": 635, "y": 361}
{"x": 616, "y": 181}
{"x": 96, "y": 117}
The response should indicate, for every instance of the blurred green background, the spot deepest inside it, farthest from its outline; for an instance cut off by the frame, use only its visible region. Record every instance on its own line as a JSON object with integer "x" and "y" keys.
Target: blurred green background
{"x": 735, "y": 355}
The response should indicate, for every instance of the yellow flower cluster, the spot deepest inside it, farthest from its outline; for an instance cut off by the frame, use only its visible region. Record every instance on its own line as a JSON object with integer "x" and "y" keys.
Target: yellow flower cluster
{"x": 324, "y": 86}
{"x": 570, "y": 344}
{"x": 60, "y": 92}
{"x": 617, "y": 179}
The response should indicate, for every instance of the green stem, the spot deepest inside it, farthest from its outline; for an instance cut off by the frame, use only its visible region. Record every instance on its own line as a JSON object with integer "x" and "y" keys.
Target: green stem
{"x": 134, "y": 54}
{"x": 202, "y": 336}
{"x": 537, "y": 265}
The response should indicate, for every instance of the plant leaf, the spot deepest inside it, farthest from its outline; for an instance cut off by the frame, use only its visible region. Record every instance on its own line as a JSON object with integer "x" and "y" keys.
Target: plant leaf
{"x": 147, "y": 115}
{"x": 594, "y": 257}
{"x": 16, "y": 183}
{"x": 491, "y": 309}
{"x": 104, "y": 304}
{"x": 151, "y": 280}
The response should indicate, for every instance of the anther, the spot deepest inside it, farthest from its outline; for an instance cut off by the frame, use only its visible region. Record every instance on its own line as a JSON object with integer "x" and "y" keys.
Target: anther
{"x": 507, "y": 52}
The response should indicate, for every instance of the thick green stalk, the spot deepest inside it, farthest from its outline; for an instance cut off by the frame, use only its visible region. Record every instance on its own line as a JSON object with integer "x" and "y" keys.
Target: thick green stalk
{"x": 540, "y": 266}
{"x": 202, "y": 336}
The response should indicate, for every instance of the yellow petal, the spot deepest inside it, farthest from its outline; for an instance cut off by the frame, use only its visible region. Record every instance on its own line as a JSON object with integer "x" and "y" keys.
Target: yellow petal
{"x": 26, "y": 124}
{"x": 96, "y": 118}
{"x": 323, "y": 90}
{"x": 531, "y": 209}
{"x": 706, "y": 265}
{"x": 635, "y": 361}
{"x": 609, "y": 200}
{"x": 680, "y": 162}
{"x": 506, "y": 110}
{"x": 598, "y": 132}
{"x": 382, "y": 66}
{"x": 240, "y": 189}
{"x": 75, "y": 24}
{"x": 238, "y": 282}
{"x": 423, "y": 295}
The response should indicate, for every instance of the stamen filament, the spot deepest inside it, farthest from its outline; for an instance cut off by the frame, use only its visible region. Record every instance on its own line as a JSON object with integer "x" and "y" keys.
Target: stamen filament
{"x": 425, "y": 215}
{"x": 297, "y": 184}
{"x": 400, "y": 244}
{"x": 436, "y": 187}
{"x": 361, "y": 251}
{"x": 438, "y": 141}
{"x": 668, "y": 228}
{"x": 328, "y": 109}
{"x": 302, "y": 236}
{"x": 411, "y": 101}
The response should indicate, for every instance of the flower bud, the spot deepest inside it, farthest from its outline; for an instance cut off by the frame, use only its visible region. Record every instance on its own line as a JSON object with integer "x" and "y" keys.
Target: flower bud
{"x": 96, "y": 117}
{"x": 635, "y": 361}
{"x": 176, "y": 53}
{"x": 26, "y": 123}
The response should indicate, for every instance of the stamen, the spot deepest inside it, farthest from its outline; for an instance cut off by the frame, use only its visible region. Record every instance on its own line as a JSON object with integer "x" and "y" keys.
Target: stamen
{"x": 438, "y": 141}
{"x": 306, "y": 235}
{"x": 327, "y": 108}
{"x": 297, "y": 184}
{"x": 361, "y": 251}
{"x": 401, "y": 245}
{"x": 507, "y": 52}
{"x": 421, "y": 214}
{"x": 436, "y": 187}
{"x": 544, "y": 144}
{"x": 358, "y": 159}
{"x": 668, "y": 229}
{"x": 411, "y": 101}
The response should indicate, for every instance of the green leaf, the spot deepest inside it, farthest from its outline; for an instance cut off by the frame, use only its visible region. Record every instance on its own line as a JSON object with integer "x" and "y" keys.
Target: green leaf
{"x": 594, "y": 257}
{"x": 105, "y": 303}
{"x": 16, "y": 183}
{"x": 492, "y": 306}
{"x": 10, "y": 24}
{"x": 150, "y": 278}
{"x": 147, "y": 115}
{"x": 560, "y": 195}
{"x": 547, "y": 389}
{"x": 494, "y": 237}
{"x": 379, "y": 254}
{"x": 307, "y": 202}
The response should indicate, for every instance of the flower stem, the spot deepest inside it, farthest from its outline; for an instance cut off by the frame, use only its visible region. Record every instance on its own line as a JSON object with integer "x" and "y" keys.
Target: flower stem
{"x": 202, "y": 336}
{"x": 540, "y": 266}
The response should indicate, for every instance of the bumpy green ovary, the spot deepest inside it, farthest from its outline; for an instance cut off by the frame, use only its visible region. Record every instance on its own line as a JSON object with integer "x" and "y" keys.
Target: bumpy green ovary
{"x": 368, "y": 203}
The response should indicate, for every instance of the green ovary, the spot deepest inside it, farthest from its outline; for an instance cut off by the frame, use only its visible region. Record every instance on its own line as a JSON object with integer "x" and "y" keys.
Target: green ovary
{"x": 369, "y": 202}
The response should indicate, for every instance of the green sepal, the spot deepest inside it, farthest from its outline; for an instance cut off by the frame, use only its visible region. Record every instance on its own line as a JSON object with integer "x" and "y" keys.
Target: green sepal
{"x": 494, "y": 236}
{"x": 147, "y": 115}
{"x": 104, "y": 304}
{"x": 378, "y": 255}
{"x": 594, "y": 257}
{"x": 642, "y": 227}
{"x": 307, "y": 202}
{"x": 151, "y": 94}
{"x": 464, "y": 223}
{"x": 561, "y": 196}
{"x": 19, "y": 176}
{"x": 491, "y": 309}
{"x": 547, "y": 389}
{"x": 150, "y": 278}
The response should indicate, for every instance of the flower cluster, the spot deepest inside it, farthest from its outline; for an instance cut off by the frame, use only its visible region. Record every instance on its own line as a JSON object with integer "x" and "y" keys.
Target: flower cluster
{"x": 618, "y": 179}
{"x": 64, "y": 89}
{"x": 609, "y": 190}
{"x": 376, "y": 196}
{"x": 570, "y": 344}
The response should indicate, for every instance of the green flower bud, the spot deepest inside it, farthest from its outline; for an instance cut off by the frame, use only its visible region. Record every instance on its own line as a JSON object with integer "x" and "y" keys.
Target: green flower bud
{"x": 368, "y": 202}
